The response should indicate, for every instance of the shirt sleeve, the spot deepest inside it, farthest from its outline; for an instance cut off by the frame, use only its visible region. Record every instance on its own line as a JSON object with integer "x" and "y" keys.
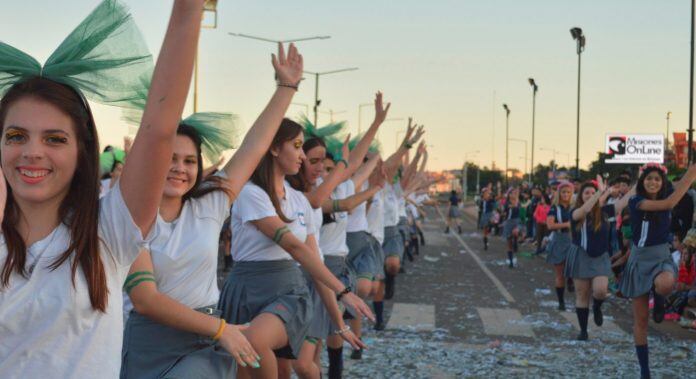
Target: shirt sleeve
{"x": 634, "y": 202}
{"x": 253, "y": 203}
{"x": 121, "y": 237}
{"x": 214, "y": 204}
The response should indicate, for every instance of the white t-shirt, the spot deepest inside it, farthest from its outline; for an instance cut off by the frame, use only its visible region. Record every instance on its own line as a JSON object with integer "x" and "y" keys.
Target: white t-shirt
{"x": 375, "y": 216}
{"x": 333, "y": 235}
{"x": 48, "y": 328}
{"x": 412, "y": 209}
{"x": 399, "y": 192}
{"x": 253, "y": 203}
{"x": 357, "y": 219}
{"x": 391, "y": 206}
{"x": 185, "y": 251}
{"x": 104, "y": 187}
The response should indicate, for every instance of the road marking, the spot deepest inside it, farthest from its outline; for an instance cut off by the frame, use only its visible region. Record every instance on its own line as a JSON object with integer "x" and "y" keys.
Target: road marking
{"x": 420, "y": 317}
{"x": 599, "y": 331}
{"x": 504, "y": 322}
{"x": 498, "y": 284}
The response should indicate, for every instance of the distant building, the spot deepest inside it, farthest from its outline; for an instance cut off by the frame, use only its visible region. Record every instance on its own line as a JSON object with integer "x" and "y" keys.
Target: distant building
{"x": 679, "y": 153}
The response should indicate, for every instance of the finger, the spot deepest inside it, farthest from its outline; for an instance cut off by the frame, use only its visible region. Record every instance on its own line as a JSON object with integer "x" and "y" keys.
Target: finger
{"x": 300, "y": 61}
{"x": 281, "y": 53}
{"x": 238, "y": 358}
{"x": 250, "y": 359}
{"x": 387, "y": 108}
{"x": 353, "y": 342}
{"x": 292, "y": 52}
{"x": 274, "y": 62}
{"x": 361, "y": 343}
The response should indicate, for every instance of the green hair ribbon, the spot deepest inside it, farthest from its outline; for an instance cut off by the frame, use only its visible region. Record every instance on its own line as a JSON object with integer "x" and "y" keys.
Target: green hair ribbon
{"x": 103, "y": 59}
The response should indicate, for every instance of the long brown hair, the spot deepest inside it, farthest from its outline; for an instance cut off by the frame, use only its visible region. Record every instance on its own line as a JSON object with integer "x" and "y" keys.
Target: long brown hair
{"x": 596, "y": 213}
{"x": 202, "y": 186}
{"x": 79, "y": 210}
{"x": 263, "y": 175}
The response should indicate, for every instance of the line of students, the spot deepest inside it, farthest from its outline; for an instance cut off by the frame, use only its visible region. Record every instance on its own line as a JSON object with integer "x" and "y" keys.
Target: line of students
{"x": 66, "y": 253}
{"x": 581, "y": 244}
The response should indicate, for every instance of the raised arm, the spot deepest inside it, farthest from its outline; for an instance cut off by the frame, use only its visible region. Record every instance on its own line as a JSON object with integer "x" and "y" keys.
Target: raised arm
{"x": 258, "y": 139}
{"x": 599, "y": 196}
{"x": 365, "y": 171}
{"x": 412, "y": 168}
{"x": 622, "y": 202}
{"x": 148, "y": 301}
{"x": 142, "y": 181}
{"x": 391, "y": 165}
{"x": 361, "y": 149}
{"x": 680, "y": 189}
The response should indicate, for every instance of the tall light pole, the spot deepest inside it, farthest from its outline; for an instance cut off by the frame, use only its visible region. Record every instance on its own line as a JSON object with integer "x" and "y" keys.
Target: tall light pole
{"x": 317, "y": 102}
{"x": 577, "y": 35}
{"x": 553, "y": 151}
{"x": 525, "y": 155}
{"x": 535, "y": 88}
{"x": 507, "y": 140}
{"x": 209, "y": 7}
{"x": 360, "y": 107}
{"x": 691, "y": 89}
{"x": 669, "y": 115}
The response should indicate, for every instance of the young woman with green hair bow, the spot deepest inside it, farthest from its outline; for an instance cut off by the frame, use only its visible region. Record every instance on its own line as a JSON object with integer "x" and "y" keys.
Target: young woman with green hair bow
{"x": 173, "y": 285}
{"x": 66, "y": 252}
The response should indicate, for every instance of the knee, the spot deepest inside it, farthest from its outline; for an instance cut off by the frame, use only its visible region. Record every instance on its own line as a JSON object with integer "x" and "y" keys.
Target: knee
{"x": 303, "y": 368}
{"x": 364, "y": 289}
{"x": 664, "y": 287}
{"x": 599, "y": 293}
{"x": 393, "y": 266}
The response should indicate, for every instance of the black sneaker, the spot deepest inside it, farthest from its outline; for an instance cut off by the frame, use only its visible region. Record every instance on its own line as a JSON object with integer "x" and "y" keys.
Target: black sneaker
{"x": 379, "y": 326}
{"x": 598, "y": 317}
{"x": 389, "y": 286}
{"x": 658, "y": 308}
{"x": 356, "y": 354}
{"x": 582, "y": 336}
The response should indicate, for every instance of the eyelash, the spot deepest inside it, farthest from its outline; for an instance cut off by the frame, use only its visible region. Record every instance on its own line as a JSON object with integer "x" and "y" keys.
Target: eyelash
{"x": 56, "y": 140}
{"x": 10, "y": 137}
{"x": 18, "y": 137}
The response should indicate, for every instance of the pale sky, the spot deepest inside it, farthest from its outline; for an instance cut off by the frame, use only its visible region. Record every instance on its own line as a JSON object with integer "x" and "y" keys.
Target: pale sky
{"x": 449, "y": 64}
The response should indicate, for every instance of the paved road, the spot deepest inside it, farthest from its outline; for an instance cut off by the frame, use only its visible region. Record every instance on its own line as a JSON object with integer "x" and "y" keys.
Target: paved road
{"x": 461, "y": 312}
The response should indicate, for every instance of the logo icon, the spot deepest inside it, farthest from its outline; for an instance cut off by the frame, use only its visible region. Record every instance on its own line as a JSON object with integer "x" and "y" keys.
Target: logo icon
{"x": 617, "y": 146}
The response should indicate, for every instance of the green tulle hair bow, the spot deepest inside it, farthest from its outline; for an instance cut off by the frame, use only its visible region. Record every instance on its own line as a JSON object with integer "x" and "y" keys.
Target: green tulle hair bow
{"x": 218, "y": 132}
{"x": 328, "y": 130}
{"x": 103, "y": 59}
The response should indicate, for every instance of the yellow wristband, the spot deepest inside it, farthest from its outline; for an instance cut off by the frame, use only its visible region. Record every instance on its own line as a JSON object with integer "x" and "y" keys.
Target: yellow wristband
{"x": 221, "y": 328}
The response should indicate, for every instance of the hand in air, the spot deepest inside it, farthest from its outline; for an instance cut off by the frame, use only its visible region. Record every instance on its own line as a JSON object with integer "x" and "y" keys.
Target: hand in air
{"x": 288, "y": 69}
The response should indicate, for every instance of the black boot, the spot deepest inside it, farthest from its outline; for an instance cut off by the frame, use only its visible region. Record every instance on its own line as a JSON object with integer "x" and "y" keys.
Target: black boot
{"x": 642, "y": 353}
{"x": 485, "y": 243}
{"x": 597, "y": 311}
{"x": 422, "y": 238}
{"x": 583, "y": 316}
{"x": 416, "y": 248}
{"x": 658, "y": 307}
{"x": 335, "y": 362}
{"x": 378, "y": 306}
{"x": 459, "y": 229}
{"x": 560, "y": 294}
{"x": 510, "y": 259}
{"x": 389, "y": 286}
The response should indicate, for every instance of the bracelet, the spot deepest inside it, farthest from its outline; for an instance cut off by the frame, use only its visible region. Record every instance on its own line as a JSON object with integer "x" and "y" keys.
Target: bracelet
{"x": 408, "y": 145}
{"x": 343, "y": 330}
{"x": 345, "y": 291}
{"x": 296, "y": 87}
{"x": 221, "y": 328}
{"x": 343, "y": 161}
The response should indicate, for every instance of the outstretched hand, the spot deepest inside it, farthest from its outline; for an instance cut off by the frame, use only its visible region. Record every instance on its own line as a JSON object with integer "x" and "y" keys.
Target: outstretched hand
{"x": 419, "y": 133}
{"x": 288, "y": 69}
{"x": 380, "y": 110}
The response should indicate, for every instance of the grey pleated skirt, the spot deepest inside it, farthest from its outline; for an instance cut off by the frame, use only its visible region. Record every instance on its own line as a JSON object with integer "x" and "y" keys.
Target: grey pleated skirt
{"x": 393, "y": 245}
{"x": 558, "y": 247}
{"x": 152, "y": 350}
{"x": 485, "y": 219}
{"x": 378, "y": 258}
{"x": 454, "y": 212}
{"x": 580, "y": 265}
{"x": 319, "y": 326}
{"x": 276, "y": 287}
{"x": 643, "y": 265}
{"x": 361, "y": 256}
{"x": 509, "y": 226}
{"x": 403, "y": 229}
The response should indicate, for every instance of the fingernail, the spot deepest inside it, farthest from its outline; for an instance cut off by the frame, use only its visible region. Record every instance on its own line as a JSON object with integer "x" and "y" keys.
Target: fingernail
{"x": 247, "y": 324}
{"x": 255, "y": 365}
{"x": 258, "y": 358}
{"x": 244, "y": 364}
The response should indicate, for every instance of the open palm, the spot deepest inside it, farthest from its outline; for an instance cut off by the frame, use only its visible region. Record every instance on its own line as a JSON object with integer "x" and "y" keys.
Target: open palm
{"x": 288, "y": 68}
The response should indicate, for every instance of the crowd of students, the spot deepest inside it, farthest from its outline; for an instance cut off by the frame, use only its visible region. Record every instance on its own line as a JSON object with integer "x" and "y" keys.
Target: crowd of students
{"x": 636, "y": 233}
{"x": 110, "y": 261}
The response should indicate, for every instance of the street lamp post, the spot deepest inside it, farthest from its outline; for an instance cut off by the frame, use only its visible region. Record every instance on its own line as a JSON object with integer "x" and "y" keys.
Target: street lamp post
{"x": 525, "y": 155}
{"x": 535, "y": 88}
{"x": 209, "y": 7}
{"x": 317, "y": 102}
{"x": 577, "y": 35}
{"x": 507, "y": 140}
{"x": 669, "y": 115}
{"x": 553, "y": 151}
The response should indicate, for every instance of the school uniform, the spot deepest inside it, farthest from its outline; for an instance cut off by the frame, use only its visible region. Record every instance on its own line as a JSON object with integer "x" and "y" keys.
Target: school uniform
{"x": 454, "y": 207}
{"x": 588, "y": 256}
{"x": 512, "y": 220}
{"x": 560, "y": 240}
{"x": 184, "y": 255}
{"x": 48, "y": 328}
{"x": 487, "y": 208}
{"x": 375, "y": 228}
{"x": 393, "y": 245}
{"x": 265, "y": 278}
{"x": 650, "y": 253}
{"x": 361, "y": 254}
